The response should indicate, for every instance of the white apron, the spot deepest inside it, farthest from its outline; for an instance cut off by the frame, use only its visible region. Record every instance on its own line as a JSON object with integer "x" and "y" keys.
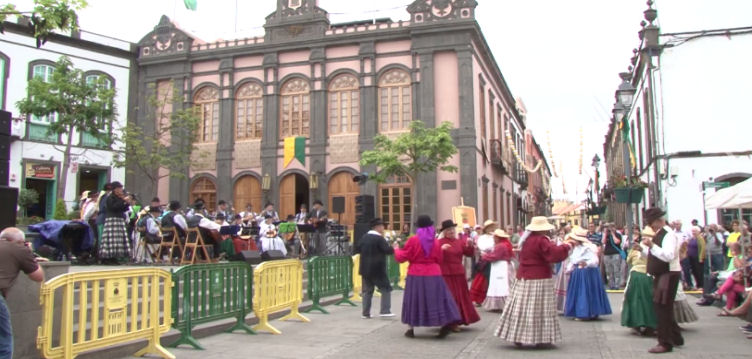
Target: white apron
{"x": 498, "y": 283}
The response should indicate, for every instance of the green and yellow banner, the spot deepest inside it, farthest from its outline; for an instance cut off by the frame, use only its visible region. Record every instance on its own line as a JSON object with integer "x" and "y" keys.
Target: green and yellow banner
{"x": 190, "y": 4}
{"x": 294, "y": 148}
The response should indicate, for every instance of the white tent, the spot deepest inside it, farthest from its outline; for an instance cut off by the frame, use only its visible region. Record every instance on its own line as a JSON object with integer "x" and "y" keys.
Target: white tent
{"x": 737, "y": 196}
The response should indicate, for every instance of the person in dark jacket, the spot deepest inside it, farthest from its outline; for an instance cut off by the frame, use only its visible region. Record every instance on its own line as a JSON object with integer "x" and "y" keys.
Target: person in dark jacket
{"x": 114, "y": 244}
{"x": 102, "y": 211}
{"x": 373, "y": 249}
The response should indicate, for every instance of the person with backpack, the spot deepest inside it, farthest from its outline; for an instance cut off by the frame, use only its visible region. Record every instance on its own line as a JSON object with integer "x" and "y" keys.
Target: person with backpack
{"x": 147, "y": 227}
{"x": 613, "y": 256}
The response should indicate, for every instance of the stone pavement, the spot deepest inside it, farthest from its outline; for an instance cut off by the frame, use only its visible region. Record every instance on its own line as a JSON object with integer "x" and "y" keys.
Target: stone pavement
{"x": 342, "y": 334}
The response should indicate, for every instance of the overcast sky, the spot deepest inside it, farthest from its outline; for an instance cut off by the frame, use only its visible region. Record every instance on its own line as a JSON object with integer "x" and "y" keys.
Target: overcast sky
{"x": 561, "y": 57}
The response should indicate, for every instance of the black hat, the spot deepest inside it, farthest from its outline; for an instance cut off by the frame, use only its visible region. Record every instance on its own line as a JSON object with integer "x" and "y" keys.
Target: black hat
{"x": 290, "y": 217}
{"x": 375, "y": 222}
{"x": 174, "y": 205}
{"x": 267, "y": 216}
{"x": 155, "y": 209}
{"x": 653, "y": 214}
{"x": 447, "y": 224}
{"x": 199, "y": 204}
{"x": 116, "y": 184}
{"x": 424, "y": 221}
{"x": 220, "y": 216}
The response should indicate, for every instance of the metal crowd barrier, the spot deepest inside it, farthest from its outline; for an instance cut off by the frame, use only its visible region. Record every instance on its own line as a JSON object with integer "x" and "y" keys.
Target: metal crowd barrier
{"x": 104, "y": 308}
{"x": 357, "y": 280}
{"x": 279, "y": 285}
{"x": 403, "y": 274}
{"x": 329, "y": 276}
{"x": 211, "y": 292}
{"x": 393, "y": 272}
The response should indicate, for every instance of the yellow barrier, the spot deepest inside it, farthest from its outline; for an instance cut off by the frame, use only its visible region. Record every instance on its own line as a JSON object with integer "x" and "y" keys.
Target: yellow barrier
{"x": 127, "y": 300}
{"x": 278, "y": 285}
{"x": 357, "y": 279}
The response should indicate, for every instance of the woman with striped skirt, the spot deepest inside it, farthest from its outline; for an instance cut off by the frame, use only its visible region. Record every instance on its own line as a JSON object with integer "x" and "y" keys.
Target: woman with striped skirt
{"x": 115, "y": 244}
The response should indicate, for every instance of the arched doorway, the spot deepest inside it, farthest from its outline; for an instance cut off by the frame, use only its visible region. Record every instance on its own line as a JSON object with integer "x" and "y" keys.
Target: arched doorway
{"x": 293, "y": 191}
{"x": 205, "y": 189}
{"x": 247, "y": 190}
{"x": 342, "y": 185}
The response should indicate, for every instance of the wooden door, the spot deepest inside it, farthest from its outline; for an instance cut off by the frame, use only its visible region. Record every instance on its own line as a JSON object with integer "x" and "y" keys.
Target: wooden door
{"x": 286, "y": 197}
{"x": 342, "y": 185}
{"x": 247, "y": 190}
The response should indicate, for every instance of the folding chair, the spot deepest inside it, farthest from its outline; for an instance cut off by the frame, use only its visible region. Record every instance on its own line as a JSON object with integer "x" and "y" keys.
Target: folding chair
{"x": 170, "y": 239}
{"x": 195, "y": 242}
{"x": 144, "y": 251}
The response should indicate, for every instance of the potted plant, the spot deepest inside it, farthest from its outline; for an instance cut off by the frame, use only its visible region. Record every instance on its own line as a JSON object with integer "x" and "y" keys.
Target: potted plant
{"x": 628, "y": 190}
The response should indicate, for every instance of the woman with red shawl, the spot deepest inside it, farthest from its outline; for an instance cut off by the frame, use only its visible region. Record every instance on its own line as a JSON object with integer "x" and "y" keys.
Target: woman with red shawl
{"x": 427, "y": 301}
{"x": 454, "y": 272}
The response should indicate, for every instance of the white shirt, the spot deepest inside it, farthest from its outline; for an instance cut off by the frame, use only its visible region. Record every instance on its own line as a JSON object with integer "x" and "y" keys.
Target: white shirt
{"x": 151, "y": 225}
{"x": 89, "y": 208}
{"x": 208, "y": 224}
{"x": 582, "y": 253}
{"x": 264, "y": 228}
{"x": 273, "y": 243}
{"x": 485, "y": 242}
{"x": 668, "y": 251}
{"x": 179, "y": 221}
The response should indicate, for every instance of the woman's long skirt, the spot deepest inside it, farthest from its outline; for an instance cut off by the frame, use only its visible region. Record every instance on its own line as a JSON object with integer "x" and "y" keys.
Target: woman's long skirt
{"x": 560, "y": 286}
{"x": 498, "y": 286}
{"x": 427, "y": 302}
{"x": 586, "y": 296}
{"x": 458, "y": 287}
{"x": 479, "y": 287}
{"x": 530, "y": 314}
{"x": 683, "y": 312}
{"x": 114, "y": 243}
{"x": 637, "y": 310}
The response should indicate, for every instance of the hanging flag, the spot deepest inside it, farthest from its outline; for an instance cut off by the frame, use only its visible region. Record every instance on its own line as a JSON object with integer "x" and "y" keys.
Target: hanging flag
{"x": 190, "y": 4}
{"x": 628, "y": 141}
{"x": 294, "y": 148}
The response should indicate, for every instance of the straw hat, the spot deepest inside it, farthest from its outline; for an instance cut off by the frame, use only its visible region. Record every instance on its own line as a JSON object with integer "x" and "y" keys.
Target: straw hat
{"x": 578, "y": 234}
{"x": 84, "y": 195}
{"x": 488, "y": 223}
{"x": 500, "y": 233}
{"x": 648, "y": 232}
{"x": 539, "y": 224}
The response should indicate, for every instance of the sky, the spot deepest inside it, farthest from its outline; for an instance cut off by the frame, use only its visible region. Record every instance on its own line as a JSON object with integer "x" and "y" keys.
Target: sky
{"x": 562, "y": 58}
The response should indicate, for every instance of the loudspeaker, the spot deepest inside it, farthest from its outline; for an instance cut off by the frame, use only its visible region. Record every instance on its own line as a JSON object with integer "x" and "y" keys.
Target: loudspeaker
{"x": 4, "y": 147}
{"x": 338, "y": 205}
{"x": 4, "y": 172}
{"x": 8, "y": 203}
{"x": 364, "y": 211}
{"x": 250, "y": 257}
{"x": 359, "y": 229}
{"x": 272, "y": 255}
{"x": 5, "y": 123}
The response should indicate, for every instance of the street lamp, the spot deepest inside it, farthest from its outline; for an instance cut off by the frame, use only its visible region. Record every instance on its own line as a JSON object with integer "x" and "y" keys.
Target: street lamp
{"x": 625, "y": 93}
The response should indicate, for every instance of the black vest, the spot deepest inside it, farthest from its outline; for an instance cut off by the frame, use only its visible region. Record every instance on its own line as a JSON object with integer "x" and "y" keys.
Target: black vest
{"x": 656, "y": 266}
{"x": 168, "y": 221}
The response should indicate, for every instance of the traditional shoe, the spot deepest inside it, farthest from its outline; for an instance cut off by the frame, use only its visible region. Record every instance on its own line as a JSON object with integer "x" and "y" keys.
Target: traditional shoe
{"x": 659, "y": 349}
{"x": 386, "y": 315}
{"x": 410, "y": 333}
{"x": 456, "y": 328}
{"x": 445, "y": 330}
{"x": 365, "y": 317}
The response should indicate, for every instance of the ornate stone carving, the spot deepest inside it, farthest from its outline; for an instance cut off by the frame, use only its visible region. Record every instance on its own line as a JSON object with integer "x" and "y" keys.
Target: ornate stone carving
{"x": 344, "y": 82}
{"x": 296, "y": 85}
{"x": 395, "y": 77}
{"x": 165, "y": 39}
{"x": 247, "y": 154}
{"x": 204, "y": 158}
{"x": 343, "y": 149}
{"x": 207, "y": 94}
{"x": 422, "y": 11}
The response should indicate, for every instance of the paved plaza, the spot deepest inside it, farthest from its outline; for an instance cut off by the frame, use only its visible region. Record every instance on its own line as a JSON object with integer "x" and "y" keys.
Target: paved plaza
{"x": 342, "y": 334}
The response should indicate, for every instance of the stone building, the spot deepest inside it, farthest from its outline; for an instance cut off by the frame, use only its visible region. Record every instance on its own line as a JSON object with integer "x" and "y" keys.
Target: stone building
{"x": 338, "y": 85}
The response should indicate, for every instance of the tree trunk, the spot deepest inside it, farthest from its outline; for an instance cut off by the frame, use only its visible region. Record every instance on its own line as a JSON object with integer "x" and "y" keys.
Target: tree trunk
{"x": 63, "y": 180}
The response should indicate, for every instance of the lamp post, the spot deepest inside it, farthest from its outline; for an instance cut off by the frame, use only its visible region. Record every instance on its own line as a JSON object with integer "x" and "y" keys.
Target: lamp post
{"x": 596, "y": 164}
{"x": 624, "y": 97}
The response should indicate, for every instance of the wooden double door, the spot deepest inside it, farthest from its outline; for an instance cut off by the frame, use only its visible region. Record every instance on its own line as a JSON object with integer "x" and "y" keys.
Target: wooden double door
{"x": 293, "y": 192}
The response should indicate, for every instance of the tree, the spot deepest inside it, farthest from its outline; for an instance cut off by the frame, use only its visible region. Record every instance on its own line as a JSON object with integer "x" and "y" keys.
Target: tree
{"x": 74, "y": 105}
{"x": 47, "y": 16}
{"x": 421, "y": 150}
{"x": 27, "y": 197}
{"x": 146, "y": 152}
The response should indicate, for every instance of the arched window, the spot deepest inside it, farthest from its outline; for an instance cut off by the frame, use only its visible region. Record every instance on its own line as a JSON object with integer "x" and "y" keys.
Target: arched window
{"x": 249, "y": 113}
{"x": 344, "y": 105}
{"x": 396, "y": 201}
{"x": 205, "y": 189}
{"x": 295, "y": 114}
{"x": 395, "y": 101}
{"x": 207, "y": 105}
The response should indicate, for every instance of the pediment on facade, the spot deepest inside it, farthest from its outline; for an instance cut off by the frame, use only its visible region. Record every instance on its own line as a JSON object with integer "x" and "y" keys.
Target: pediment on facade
{"x": 427, "y": 11}
{"x": 166, "y": 38}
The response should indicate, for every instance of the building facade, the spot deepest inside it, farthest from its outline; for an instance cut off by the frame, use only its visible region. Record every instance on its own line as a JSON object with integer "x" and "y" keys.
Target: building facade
{"x": 687, "y": 122}
{"x": 337, "y": 86}
{"x": 539, "y": 182}
{"x": 35, "y": 156}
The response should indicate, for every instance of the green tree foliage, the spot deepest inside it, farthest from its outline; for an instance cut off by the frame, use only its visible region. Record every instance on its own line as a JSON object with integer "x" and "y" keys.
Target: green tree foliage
{"x": 421, "y": 150}
{"x": 26, "y": 198}
{"x": 47, "y": 17}
{"x": 171, "y": 143}
{"x": 61, "y": 212}
{"x": 76, "y": 105}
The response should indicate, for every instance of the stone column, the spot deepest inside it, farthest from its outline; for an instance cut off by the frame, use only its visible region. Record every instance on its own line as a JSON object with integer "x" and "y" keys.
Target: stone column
{"x": 425, "y": 186}
{"x": 465, "y": 135}
{"x": 179, "y": 187}
{"x": 319, "y": 124}
{"x": 226, "y": 141}
{"x": 369, "y": 111}
{"x": 270, "y": 138}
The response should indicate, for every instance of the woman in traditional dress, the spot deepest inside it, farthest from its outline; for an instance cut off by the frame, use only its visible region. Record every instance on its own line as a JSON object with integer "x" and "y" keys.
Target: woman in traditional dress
{"x": 562, "y": 277}
{"x": 427, "y": 301}
{"x": 637, "y": 309}
{"x": 586, "y": 296}
{"x": 530, "y": 313}
{"x": 453, "y": 271}
{"x": 498, "y": 279}
{"x": 479, "y": 286}
{"x": 115, "y": 245}
{"x": 683, "y": 312}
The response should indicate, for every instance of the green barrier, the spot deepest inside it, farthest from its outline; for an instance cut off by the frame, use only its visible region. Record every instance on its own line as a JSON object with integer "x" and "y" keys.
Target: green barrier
{"x": 211, "y": 292}
{"x": 329, "y": 276}
{"x": 393, "y": 272}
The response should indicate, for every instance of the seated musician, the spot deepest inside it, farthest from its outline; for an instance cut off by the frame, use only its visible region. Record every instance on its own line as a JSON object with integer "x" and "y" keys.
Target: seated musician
{"x": 289, "y": 233}
{"x": 270, "y": 242}
{"x": 209, "y": 229}
{"x": 248, "y": 216}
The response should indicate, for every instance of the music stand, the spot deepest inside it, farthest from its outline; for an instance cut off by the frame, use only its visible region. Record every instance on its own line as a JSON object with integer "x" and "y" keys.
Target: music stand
{"x": 338, "y": 233}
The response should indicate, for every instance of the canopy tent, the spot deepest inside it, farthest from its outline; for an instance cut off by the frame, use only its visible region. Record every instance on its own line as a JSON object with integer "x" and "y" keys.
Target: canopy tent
{"x": 734, "y": 197}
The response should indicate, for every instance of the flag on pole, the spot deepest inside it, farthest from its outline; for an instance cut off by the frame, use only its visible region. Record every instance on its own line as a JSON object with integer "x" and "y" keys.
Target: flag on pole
{"x": 294, "y": 148}
{"x": 190, "y": 4}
